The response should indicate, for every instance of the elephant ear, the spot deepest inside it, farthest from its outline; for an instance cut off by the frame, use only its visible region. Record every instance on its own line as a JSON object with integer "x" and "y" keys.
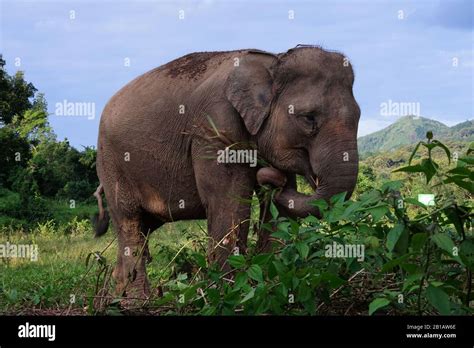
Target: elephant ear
{"x": 249, "y": 90}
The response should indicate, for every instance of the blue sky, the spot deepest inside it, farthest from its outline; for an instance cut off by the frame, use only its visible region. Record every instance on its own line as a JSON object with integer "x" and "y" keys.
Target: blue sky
{"x": 402, "y": 51}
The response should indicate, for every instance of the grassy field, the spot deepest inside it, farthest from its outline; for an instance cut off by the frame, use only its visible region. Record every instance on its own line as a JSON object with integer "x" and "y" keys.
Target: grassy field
{"x": 46, "y": 285}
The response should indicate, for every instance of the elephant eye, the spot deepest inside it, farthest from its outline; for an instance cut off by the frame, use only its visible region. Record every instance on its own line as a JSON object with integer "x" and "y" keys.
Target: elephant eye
{"x": 310, "y": 117}
{"x": 310, "y": 121}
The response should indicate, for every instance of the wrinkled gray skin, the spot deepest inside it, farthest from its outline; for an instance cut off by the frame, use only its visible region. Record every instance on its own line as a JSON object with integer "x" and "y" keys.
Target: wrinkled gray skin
{"x": 158, "y": 165}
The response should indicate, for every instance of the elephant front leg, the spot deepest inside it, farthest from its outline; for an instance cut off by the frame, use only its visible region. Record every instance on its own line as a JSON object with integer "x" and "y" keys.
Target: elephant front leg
{"x": 226, "y": 193}
{"x": 130, "y": 272}
{"x": 228, "y": 229}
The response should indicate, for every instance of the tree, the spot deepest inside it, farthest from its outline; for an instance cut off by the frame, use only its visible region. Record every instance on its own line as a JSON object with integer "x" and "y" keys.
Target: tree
{"x": 15, "y": 94}
{"x": 33, "y": 125}
{"x": 14, "y": 153}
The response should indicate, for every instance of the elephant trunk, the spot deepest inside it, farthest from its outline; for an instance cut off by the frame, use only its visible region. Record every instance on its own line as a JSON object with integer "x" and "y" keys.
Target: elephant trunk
{"x": 333, "y": 172}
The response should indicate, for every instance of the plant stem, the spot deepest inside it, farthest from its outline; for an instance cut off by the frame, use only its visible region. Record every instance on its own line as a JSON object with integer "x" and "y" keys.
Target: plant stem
{"x": 425, "y": 274}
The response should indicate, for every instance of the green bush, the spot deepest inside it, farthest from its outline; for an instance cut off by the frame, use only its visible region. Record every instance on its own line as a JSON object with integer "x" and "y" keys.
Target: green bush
{"x": 416, "y": 259}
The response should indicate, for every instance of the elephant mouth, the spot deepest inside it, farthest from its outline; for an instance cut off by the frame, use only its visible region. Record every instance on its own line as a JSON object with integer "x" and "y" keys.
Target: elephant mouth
{"x": 313, "y": 180}
{"x": 280, "y": 178}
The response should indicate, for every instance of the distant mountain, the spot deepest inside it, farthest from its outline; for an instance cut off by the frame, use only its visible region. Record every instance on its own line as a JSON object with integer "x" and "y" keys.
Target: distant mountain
{"x": 411, "y": 129}
{"x": 464, "y": 130}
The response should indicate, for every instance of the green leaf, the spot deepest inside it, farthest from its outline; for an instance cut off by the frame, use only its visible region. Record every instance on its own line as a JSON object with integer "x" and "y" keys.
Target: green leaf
{"x": 391, "y": 185}
{"x": 378, "y": 212}
{"x": 240, "y": 280}
{"x": 351, "y": 207}
{"x": 261, "y": 259}
{"x": 441, "y": 145}
{"x": 418, "y": 241}
{"x": 467, "y": 159}
{"x": 414, "y": 152}
{"x": 453, "y": 216}
{"x": 321, "y": 204}
{"x": 373, "y": 242}
{"x": 394, "y": 235}
{"x": 410, "y": 279}
{"x": 282, "y": 235}
{"x": 255, "y": 273}
{"x": 377, "y": 304}
{"x": 429, "y": 135}
{"x": 237, "y": 261}
{"x": 466, "y": 253}
{"x": 249, "y": 295}
{"x": 401, "y": 246}
{"x": 273, "y": 210}
{"x": 445, "y": 243}
{"x": 365, "y": 229}
{"x": 417, "y": 168}
{"x": 303, "y": 292}
{"x": 200, "y": 260}
{"x": 333, "y": 280}
{"x": 393, "y": 263}
{"x": 213, "y": 295}
{"x": 438, "y": 299}
{"x": 338, "y": 199}
{"x": 410, "y": 268}
{"x": 459, "y": 181}
{"x": 167, "y": 298}
{"x": 303, "y": 249}
{"x": 335, "y": 214}
{"x": 311, "y": 220}
{"x": 429, "y": 168}
{"x": 463, "y": 171}
{"x": 415, "y": 202}
{"x": 232, "y": 298}
{"x": 370, "y": 197}
{"x": 280, "y": 267}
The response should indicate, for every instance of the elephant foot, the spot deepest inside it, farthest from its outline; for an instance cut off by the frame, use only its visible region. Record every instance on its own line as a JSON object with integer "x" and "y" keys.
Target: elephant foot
{"x": 135, "y": 296}
{"x": 133, "y": 288}
{"x": 102, "y": 300}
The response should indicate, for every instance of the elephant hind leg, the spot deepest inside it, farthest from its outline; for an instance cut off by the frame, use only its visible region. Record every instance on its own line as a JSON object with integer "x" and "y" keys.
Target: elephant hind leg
{"x": 132, "y": 232}
{"x": 132, "y": 256}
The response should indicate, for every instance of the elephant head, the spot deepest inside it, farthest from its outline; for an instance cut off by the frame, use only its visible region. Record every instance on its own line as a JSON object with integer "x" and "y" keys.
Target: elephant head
{"x": 300, "y": 110}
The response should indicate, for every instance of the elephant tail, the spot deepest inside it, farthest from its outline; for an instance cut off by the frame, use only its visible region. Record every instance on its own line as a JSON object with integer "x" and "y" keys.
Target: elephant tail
{"x": 101, "y": 220}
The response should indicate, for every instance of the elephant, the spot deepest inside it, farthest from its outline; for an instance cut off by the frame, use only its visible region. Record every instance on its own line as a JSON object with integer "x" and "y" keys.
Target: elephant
{"x": 162, "y": 134}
